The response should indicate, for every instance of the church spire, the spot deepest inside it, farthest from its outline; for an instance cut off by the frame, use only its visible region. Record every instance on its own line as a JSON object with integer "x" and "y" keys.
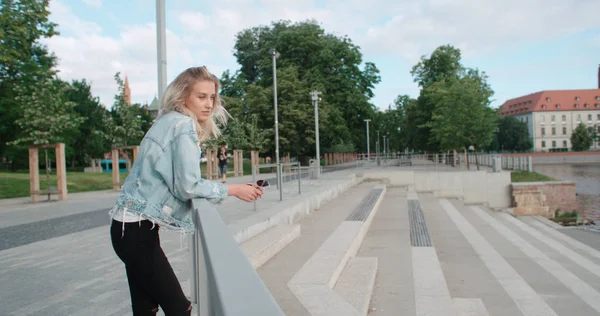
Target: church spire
{"x": 127, "y": 92}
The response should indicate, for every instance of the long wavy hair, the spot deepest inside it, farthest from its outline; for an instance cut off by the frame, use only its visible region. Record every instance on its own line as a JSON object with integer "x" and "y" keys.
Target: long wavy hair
{"x": 180, "y": 89}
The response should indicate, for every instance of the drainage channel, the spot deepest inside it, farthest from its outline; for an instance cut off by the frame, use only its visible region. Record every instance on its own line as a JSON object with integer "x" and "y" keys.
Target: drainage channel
{"x": 362, "y": 211}
{"x": 419, "y": 236}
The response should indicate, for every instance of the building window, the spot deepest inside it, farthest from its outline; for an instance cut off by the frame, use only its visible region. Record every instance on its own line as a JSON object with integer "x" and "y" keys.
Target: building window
{"x": 543, "y": 131}
{"x": 543, "y": 118}
{"x": 553, "y": 130}
{"x": 587, "y": 106}
{"x": 576, "y": 106}
{"x": 589, "y": 117}
{"x": 547, "y": 99}
{"x": 552, "y": 118}
{"x": 543, "y": 106}
{"x": 598, "y": 98}
{"x": 579, "y": 117}
{"x": 564, "y": 131}
{"x": 565, "y": 144}
{"x": 543, "y": 144}
{"x": 553, "y": 144}
{"x": 576, "y": 98}
{"x": 598, "y": 117}
{"x": 558, "y": 106}
{"x": 564, "y": 117}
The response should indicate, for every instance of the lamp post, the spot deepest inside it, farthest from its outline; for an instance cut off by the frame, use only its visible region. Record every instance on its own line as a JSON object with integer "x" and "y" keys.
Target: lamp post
{"x": 378, "y": 146}
{"x": 275, "y": 54}
{"x": 315, "y": 98}
{"x": 161, "y": 48}
{"x": 384, "y": 146}
{"x": 368, "y": 150}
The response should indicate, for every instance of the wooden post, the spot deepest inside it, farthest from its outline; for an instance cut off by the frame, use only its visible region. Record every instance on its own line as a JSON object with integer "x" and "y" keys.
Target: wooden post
{"x": 240, "y": 163}
{"x": 235, "y": 163}
{"x": 215, "y": 165}
{"x": 34, "y": 174}
{"x": 115, "y": 170}
{"x": 93, "y": 165}
{"x": 209, "y": 162}
{"x": 136, "y": 150}
{"x": 61, "y": 171}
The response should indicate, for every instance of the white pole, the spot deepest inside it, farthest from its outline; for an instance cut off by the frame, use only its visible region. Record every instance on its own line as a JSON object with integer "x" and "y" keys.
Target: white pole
{"x": 161, "y": 48}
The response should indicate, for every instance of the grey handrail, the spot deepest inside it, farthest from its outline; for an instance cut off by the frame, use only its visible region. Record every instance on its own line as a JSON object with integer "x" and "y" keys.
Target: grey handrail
{"x": 223, "y": 280}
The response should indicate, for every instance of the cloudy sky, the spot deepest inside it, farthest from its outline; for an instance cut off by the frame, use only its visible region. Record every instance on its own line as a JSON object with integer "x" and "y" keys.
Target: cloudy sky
{"x": 524, "y": 46}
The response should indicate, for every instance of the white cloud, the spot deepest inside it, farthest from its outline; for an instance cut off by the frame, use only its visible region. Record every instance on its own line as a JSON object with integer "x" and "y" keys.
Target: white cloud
{"x": 93, "y": 3}
{"x": 396, "y": 29}
{"x": 89, "y": 54}
{"x": 479, "y": 25}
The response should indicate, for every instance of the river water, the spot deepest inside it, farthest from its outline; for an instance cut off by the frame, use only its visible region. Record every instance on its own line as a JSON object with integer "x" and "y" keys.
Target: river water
{"x": 587, "y": 184}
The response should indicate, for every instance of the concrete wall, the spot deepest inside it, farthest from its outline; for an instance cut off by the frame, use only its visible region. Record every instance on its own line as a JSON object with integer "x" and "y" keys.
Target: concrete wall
{"x": 474, "y": 187}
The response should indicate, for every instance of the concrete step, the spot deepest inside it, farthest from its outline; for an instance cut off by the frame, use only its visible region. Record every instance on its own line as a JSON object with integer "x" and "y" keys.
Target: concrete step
{"x": 313, "y": 283}
{"x": 356, "y": 282}
{"x": 316, "y": 229}
{"x": 267, "y": 244}
{"x": 539, "y": 275}
{"x": 388, "y": 239}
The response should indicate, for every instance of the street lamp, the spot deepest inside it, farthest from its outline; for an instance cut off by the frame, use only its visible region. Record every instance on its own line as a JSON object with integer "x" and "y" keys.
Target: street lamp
{"x": 368, "y": 150}
{"x": 275, "y": 54}
{"x": 384, "y": 146}
{"x": 161, "y": 48}
{"x": 378, "y": 145}
{"x": 315, "y": 98}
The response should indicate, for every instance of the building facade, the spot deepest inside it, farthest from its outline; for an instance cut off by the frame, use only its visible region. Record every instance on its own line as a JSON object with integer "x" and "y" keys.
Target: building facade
{"x": 552, "y": 116}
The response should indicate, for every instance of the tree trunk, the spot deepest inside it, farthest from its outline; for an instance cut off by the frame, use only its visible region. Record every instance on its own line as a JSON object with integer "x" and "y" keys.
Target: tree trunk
{"x": 477, "y": 161}
{"x": 467, "y": 158}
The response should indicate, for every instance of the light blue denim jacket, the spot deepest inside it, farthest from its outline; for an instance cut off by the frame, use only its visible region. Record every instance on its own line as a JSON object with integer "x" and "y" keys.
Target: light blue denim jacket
{"x": 165, "y": 176}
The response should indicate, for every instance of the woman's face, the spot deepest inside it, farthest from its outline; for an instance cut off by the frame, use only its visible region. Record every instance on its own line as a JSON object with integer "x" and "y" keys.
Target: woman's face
{"x": 201, "y": 100}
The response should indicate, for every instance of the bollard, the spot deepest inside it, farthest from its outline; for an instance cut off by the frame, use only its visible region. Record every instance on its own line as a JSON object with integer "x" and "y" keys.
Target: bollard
{"x": 299, "y": 178}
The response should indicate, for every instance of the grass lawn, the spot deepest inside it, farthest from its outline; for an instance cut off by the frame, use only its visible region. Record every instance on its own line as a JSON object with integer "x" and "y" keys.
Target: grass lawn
{"x": 16, "y": 184}
{"x": 525, "y": 176}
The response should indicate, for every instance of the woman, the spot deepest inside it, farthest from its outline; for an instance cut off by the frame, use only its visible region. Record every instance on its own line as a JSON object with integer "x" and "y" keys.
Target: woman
{"x": 160, "y": 187}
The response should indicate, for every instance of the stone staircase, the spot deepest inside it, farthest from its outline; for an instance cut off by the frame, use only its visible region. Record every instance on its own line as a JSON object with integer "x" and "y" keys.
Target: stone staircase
{"x": 381, "y": 250}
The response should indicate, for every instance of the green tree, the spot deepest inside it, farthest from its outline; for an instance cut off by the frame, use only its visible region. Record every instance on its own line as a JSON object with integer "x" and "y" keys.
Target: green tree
{"x": 308, "y": 59}
{"x": 89, "y": 142}
{"x": 581, "y": 138}
{"x": 443, "y": 64}
{"x": 24, "y": 61}
{"x": 513, "y": 135}
{"x": 462, "y": 116}
{"x": 47, "y": 116}
{"x": 125, "y": 125}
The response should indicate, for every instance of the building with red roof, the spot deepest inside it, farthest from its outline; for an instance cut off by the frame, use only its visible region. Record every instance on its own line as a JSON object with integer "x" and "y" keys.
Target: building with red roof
{"x": 551, "y": 116}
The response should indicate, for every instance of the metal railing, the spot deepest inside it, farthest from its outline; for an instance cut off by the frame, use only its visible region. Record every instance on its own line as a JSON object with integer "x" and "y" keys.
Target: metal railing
{"x": 223, "y": 280}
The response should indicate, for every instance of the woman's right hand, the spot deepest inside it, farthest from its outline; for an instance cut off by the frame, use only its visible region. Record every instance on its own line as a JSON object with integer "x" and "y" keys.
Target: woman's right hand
{"x": 245, "y": 192}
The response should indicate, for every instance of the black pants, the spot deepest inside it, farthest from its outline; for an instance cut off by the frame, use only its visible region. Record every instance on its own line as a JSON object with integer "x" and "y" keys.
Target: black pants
{"x": 151, "y": 279}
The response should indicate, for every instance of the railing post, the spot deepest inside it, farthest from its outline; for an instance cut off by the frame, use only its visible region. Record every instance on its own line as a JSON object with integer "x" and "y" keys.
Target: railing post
{"x": 280, "y": 181}
{"x": 254, "y": 167}
{"x": 199, "y": 286}
{"x": 299, "y": 177}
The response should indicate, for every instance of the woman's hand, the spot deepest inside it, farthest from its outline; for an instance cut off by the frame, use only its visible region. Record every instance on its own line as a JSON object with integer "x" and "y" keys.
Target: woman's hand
{"x": 245, "y": 192}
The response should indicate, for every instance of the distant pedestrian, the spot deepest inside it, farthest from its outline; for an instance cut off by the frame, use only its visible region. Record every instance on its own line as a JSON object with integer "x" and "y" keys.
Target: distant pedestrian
{"x": 160, "y": 187}
{"x": 222, "y": 157}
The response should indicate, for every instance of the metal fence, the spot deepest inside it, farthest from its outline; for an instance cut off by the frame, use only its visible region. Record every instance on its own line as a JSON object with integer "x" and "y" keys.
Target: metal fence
{"x": 449, "y": 162}
{"x": 224, "y": 283}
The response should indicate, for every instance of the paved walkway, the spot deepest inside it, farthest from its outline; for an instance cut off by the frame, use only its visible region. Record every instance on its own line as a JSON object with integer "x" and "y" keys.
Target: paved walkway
{"x": 482, "y": 262}
{"x": 67, "y": 270}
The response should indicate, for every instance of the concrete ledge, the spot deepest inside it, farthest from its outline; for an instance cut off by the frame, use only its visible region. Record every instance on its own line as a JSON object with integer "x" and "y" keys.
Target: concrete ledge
{"x": 469, "y": 307}
{"x": 432, "y": 296}
{"x": 320, "y": 273}
{"x": 356, "y": 282}
{"x": 267, "y": 244}
{"x": 290, "y": 213}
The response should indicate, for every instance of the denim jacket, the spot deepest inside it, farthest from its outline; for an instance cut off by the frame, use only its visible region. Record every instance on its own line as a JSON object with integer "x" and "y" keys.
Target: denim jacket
{"x": 165, "y": 176}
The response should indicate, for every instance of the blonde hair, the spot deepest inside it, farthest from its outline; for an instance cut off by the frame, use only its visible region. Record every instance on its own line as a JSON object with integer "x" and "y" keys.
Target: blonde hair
{"x": 180, "y": 89}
